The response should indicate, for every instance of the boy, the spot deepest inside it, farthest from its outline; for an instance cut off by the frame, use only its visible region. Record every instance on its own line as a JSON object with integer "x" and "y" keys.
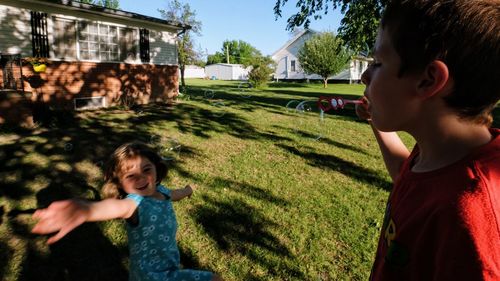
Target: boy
{"x": 435, "y": 76}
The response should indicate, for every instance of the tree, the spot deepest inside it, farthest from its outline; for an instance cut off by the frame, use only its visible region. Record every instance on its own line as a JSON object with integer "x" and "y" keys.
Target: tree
{"x": 113, "y": 4}
{"x": 185, "y": 46}
{"x": 323, "y": 54}
{"x": 239, "y": 52}
{"x": 262, "y": 68}
{"x": 358, "y": 28}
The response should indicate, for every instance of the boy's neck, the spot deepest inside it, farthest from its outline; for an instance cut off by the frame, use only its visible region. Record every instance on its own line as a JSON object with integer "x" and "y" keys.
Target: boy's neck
{"x": 446, "y": 142}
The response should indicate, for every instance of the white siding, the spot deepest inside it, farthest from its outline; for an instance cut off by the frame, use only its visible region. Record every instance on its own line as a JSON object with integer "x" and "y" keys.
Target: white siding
{"x": 284, "y": 59}
{"x": 15, "y": 29}
{"x": 193, "y": 71}
{"x": 162, "y": 47}
{"x": 226, "y": 71}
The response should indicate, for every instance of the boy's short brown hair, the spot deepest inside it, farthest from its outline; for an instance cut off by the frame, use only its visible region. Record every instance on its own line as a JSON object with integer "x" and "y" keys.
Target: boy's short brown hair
{"x": 465, "y": 35}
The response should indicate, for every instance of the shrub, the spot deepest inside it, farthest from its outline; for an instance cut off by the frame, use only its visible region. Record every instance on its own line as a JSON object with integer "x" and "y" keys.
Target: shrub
{"x": 262, "y": 68}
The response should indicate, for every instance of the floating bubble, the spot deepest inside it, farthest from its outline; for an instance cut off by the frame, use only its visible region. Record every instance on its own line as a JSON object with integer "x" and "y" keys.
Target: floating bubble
{"x": 220, "y": 109}
{"x": 167, "y": 147}
{"x": 310, "y": 121}
{"x": 154, "y": 140}
{"x": 68, "y": 146}
{"x": 292, "y": 105}
{"x": 209, "y": 94}
{"x": 171, "y": 149}
{"x": 243, "y": 89}
{"x": 304, "y": 106}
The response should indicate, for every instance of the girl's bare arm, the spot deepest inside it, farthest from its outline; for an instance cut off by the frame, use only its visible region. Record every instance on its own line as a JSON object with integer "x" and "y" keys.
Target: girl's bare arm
{"x": 64, "y": 216}
{"x": 179, "y": 194}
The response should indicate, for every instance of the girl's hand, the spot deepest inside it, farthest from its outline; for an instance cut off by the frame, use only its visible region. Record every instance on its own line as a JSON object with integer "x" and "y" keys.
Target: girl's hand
{"x": 189, "y": 190}
{"x": 61, "y": 217}
{"x": 363, "y": 109}
{"x": 179, "y": 194}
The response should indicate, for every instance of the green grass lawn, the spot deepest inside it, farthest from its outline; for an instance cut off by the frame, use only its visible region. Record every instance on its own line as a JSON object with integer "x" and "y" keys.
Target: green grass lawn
{"x": 282, "y": 194}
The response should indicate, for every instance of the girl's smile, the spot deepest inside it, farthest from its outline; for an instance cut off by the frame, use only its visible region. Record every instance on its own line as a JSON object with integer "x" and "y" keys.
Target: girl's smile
{"x": 138, "y": 176}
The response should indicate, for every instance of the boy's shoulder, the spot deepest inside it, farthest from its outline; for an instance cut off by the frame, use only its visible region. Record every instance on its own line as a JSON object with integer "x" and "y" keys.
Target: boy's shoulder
{"x": 487, "y": 161}
{"x": 490, "y": 152}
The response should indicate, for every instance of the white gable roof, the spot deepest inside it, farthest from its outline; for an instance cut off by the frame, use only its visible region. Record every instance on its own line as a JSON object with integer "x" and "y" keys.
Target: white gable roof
{"x": 293, "y": 40}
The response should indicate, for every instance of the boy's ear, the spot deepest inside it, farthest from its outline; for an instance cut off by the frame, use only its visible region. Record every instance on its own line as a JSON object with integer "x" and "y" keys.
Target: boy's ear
{"x": 433, "y": 79}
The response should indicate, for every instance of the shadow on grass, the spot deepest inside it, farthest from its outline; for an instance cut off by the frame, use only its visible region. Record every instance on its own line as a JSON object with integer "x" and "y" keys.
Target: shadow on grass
{"x": 240, "y": 229}
{"x": 274, "y": 101}
{"x": 61, "y": 157}
{"x": 337, "y": 164}
{"x": 5, "y": 255}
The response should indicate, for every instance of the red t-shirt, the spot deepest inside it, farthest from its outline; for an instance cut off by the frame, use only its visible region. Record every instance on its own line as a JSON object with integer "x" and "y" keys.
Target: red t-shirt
{"x": 444, "y": 224}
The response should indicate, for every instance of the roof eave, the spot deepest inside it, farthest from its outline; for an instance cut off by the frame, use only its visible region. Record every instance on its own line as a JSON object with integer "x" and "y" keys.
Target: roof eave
{"x": 108, "y": 12}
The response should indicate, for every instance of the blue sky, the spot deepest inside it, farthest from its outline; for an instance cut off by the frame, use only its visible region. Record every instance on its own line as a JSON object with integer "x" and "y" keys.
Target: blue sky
{"x": 252, "y": 21}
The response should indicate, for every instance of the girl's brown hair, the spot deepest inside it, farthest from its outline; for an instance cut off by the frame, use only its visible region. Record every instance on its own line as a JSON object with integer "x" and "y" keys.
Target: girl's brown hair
{"x": 112, "y": 187}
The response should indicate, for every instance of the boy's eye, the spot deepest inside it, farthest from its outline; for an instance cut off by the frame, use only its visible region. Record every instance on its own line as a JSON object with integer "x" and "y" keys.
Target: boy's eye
{"x": 147, "y": 170}
{"x": 374, "y": 64}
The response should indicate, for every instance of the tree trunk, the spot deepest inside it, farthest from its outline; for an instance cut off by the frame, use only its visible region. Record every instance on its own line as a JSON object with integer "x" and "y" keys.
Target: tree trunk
{"x": 325, "y": 83}
{"x": 183, "y": 82}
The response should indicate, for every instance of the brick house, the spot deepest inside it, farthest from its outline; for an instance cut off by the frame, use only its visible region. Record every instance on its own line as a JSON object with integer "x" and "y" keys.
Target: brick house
{"x": 98, "y": 57}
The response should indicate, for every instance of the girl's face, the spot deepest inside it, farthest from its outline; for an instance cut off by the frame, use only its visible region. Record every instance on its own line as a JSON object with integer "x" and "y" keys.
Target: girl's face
{"x": 138, "y": 176}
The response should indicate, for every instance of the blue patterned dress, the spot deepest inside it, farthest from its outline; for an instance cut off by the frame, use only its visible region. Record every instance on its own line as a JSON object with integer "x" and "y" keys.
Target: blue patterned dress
{"x": 152, "y": 243}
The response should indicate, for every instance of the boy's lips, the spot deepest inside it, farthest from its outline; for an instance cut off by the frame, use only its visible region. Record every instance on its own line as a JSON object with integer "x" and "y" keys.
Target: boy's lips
{"x": 143, "y": 187}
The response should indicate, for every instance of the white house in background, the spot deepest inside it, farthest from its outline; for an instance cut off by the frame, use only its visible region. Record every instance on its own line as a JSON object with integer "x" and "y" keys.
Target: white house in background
{"x": 225, "y": 71}
{"x": 288, "y": 67}
{"x": 193, "y": 71}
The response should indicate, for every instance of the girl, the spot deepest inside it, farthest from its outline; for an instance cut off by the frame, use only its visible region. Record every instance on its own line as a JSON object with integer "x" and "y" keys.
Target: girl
{"x": 132, "y": 186}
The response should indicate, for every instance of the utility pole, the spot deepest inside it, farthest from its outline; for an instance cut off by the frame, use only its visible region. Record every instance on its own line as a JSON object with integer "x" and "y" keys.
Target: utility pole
{"x": 227, "y": 53}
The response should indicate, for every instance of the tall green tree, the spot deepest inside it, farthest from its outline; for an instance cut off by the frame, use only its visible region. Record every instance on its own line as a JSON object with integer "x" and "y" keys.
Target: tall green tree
{"x": 185, "y": 44}
{"x": 235, "y": 51}
{"x": 358, "y": 28}
{"x": 323, "y": 54}
{"x": 114, "y": 4}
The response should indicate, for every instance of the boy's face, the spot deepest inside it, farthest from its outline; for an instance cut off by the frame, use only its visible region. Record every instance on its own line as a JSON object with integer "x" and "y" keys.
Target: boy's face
{"x": 393, "y": 101}
{"x": 138, "y": 175}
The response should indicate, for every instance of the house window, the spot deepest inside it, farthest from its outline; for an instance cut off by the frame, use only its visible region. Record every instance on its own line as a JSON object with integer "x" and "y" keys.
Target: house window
{"x": 144, "y": 44}
{"x": 292, "y": 66}
{"x": 39, "y": 37}
{"x": 64, "y": 39}
{"x": 128, "y": 44}
{"x": 98, "y": 41}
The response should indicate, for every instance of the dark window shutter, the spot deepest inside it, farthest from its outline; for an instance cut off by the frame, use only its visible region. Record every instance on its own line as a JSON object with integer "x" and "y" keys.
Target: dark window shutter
{"x": 39, "y": 35}
{"x": 144, "y": 44}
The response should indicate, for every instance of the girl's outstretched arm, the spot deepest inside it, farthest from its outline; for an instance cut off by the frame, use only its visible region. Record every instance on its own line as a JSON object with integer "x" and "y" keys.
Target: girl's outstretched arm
{"x": 179, "y": 194}
{"x": 64, "y": 216}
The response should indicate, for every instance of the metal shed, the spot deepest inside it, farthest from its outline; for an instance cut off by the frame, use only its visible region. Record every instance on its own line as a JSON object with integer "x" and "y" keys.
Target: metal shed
{"x": 224, "y": 71}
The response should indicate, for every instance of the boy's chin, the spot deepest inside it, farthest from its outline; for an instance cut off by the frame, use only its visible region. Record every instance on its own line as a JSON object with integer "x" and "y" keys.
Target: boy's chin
{"x": 384, "y": 127}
